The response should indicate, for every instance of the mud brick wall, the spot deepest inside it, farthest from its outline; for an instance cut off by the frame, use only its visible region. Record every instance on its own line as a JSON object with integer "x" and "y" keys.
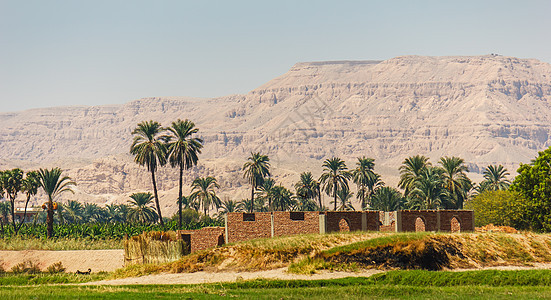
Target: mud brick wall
{"x": 354, "y": 219}
{"x": 205, "y": 238}
{"x": 465, "y": 218}
{"x": 408, "y": 218}
{"x": 285, "y": 225}
{"x": 372, "y": 220}
{"x": 240, "y": 230}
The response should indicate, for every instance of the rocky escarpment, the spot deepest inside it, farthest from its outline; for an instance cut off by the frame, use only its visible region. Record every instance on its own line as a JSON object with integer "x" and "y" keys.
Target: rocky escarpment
{"x": 487, "y": 109}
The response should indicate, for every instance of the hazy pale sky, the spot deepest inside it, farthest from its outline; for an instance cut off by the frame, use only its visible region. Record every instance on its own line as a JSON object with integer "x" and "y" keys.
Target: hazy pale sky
{"x": 55, "y": 53}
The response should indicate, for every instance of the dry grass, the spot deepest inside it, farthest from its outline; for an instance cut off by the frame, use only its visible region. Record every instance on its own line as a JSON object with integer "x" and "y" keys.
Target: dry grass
{"x": 23, "y": 243}
{"x": 153, "y": 247}
{"x": 352, "y": 251}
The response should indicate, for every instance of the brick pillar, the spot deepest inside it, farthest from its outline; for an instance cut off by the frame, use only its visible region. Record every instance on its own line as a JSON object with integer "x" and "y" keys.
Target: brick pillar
{"x": 438, "y": 221}
{"x": 226, "y": 228}
{"x": 398, "y": 221}
{"x": 272, "y": 220}
{"x": 364, "y": 221}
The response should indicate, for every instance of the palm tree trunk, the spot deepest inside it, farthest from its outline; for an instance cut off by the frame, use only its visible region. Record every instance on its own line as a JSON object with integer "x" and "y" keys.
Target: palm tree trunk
{"x": 252, "y": 200}
{"x": 50, "y": 218}
{"x": 319, "y": 197}
{"x": 156, "y": 198}
{"x": 335, "y": 193}
{"x": 180, "y": 197}
{"x": 24, "y": 214}
{"x": 13, "y": 212}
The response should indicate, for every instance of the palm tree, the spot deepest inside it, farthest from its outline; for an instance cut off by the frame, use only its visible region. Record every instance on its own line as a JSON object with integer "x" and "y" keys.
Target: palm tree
{"x": 140, "y": 208}
{"x": 229, "y": 206}
{"x": 257, "y": 168}
{"x": 308, "y": 188}
{"x": 12, "y": 182}
{"x": 387, "y": 199}
{"x": 183, "y": 150}
{"x": 335, "y": 177}
{"x": 265, "y": 192}
{"x": 53, "y": 185}
{"x": 30, "y": 187}
{"x": 429, "y": 189}
{"x": 204, "y": 193}
{"x": 282, "y": 198}
{"x": 149, "y": 150}
{"x": 344, "y": 197}
{"x": 411, "y": 169}
{"x": 495, "y": 179}
{"x": 74, "y": 211}
{"x": 455, "y": 181}
{"x": 93, "y": 213}
{"x": 366, "y": 179}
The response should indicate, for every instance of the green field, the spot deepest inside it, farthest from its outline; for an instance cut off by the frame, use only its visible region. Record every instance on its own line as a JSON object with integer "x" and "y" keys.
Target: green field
{"x": 533, "y": 284}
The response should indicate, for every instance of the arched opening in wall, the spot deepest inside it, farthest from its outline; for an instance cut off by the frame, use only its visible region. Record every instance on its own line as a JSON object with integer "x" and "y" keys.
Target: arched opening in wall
{"x": 455, "y": 225}
{"x": 419, "y": 224}
{"x": 343, "y": 225}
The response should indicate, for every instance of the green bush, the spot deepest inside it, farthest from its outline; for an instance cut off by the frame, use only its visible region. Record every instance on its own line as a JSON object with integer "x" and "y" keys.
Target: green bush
{"x": 502, "y": 208}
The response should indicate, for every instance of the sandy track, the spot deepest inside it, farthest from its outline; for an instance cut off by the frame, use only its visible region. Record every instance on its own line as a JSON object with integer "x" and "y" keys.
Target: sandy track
{"x": 72, "y": 260}
{"x": 207, "y": 277}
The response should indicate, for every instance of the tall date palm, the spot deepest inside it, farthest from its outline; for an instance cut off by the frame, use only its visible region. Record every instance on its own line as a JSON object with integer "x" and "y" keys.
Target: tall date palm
{"x": 334, "y": 177}
{"x": 257, "y": 168}
{"x": 204, "y": 193}
{"x": 410, "y": 171}
{"x": 455, "y": 181}
{"x": 53, "y": 185}
{"x": 308, "y": 188}
{"x": 149, "y": 150}
{"x": 183, "y": 150}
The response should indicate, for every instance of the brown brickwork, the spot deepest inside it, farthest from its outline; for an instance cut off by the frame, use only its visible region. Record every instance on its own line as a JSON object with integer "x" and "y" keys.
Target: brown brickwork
{"x": 372, "y": 218}
{"x": 303, "y": 223}
{"x": 332, "y": 219}
{"x": 240, "y": 230}
{"x": 409, "y": 217}
{"x": 204, "y": 238}
{"x": 465, "y": 218}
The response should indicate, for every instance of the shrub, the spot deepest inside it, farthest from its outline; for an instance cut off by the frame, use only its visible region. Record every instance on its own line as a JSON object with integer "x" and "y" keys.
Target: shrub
{"x": 56, "y": 268}
{"x": 27, "y": 267}
{"x": 502, "y": 208}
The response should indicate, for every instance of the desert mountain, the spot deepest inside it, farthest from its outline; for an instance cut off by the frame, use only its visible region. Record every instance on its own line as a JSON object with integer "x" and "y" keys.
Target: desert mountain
{"x": 486, "y": 109}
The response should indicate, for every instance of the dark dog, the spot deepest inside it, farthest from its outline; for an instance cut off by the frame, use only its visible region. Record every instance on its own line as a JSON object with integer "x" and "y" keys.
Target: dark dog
{"x": 84, "y": 272}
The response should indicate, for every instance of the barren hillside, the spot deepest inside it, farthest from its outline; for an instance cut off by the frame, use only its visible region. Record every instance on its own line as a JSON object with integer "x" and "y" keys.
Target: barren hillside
{"x": 487, "y": 109}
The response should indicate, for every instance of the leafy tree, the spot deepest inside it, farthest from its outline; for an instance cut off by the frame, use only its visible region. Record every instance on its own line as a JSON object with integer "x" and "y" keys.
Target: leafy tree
{"x": 502, "y": 208}
{"x": 282, "y": 198}
{"x": 93, "y": 213}
{"x": 183, "y": 150}
{"x": 74, "y": 211}
{"x": 141, "y": 210}
{"x": 495, "y": 179}
{"x": 334, "y": 177}
{"x": 344, "y": 200}
{"x": 266, "y": 192}
{"x": 12, "y": 182}
{"x": 366, "y": 180}
{"x": 257, "y": 168}
{"x": 203, "y": 191}
{"x": 534, "y": 185}
{"x": 455, "y": 181}
{"x": 410, "y": 171}
{"x": 305, "y": 204}
{"x": 229, "y": 206}
{"x": 387, "y": 199}
{"x": 308, "y": 189}
{"x": 30, "y": 187}
{"x": 428, "y": 189}
{"x": 53, "y": 185}
{"x": 149, "y": 150}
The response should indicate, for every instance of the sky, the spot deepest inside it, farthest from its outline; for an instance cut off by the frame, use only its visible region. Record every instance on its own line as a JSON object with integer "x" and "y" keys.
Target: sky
{"x": 59, "y": 53}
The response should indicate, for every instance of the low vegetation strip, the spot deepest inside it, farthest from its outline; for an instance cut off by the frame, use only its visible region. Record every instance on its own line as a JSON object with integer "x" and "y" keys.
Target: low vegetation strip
{"x": 432, "y": 252}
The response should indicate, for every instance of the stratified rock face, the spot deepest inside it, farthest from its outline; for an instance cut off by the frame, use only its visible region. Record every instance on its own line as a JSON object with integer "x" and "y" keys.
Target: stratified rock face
{"x": 486, "y": 109}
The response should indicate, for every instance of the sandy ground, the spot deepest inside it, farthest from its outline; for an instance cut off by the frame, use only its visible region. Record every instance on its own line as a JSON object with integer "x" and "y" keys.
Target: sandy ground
{"x": 206, "y": 277}
{"x": 97, "y": 260}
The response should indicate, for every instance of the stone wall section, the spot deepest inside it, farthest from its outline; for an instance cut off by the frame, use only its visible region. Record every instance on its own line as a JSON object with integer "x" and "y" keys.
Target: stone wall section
{"x": 285, "y": 225}
{"x": 353, "y": 218}
{"x": 408, "y": 218}
{"x": 239, "y": 229}
{"x": 465, "y": 218}
{"x": 204, "y": 238}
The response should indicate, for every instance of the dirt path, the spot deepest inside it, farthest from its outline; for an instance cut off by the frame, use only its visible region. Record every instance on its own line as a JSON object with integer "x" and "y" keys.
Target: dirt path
{"x": 206, "y": 277}
{"x": 97, "y": 260}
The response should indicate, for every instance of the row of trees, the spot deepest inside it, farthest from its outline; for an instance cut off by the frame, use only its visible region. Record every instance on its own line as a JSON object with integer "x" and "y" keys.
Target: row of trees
{"x": 14, "y": 181}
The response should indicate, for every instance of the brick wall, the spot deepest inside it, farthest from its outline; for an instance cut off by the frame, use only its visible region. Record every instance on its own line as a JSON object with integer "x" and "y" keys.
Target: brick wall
{"x": 285, "y": 225}
{"x": 204, "y": 238}
{"x": 240, "y": 230}
{"x": 373, "y": 221}
{"x": 465, "y": 218}
{"x": 408, "y": 218}
{"x": 353, "y": 218}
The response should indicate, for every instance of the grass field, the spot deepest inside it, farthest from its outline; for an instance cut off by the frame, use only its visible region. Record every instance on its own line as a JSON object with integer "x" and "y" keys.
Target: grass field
{"x": 533, "y": 284}
{"x": 32, "y": 243}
